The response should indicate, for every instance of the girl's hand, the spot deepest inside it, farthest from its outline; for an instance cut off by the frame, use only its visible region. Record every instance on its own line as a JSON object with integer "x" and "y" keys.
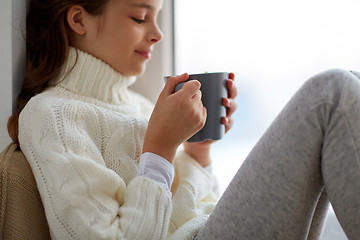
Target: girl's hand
{"x": 230, "y": 103}
{"x": 176, "y": 117}
{"x": 201, "y": 151}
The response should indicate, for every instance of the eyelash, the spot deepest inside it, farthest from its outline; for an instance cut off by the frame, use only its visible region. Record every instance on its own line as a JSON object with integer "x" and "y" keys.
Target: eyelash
{"x": 138, "y": 21}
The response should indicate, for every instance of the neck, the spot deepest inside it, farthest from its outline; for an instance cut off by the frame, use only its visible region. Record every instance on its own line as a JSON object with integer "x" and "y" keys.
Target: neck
{"x": 89, "y": 76}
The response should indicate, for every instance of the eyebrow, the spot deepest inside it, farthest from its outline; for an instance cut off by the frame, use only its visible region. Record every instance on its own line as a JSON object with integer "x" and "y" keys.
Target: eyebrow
{"x": 142, "y": 5}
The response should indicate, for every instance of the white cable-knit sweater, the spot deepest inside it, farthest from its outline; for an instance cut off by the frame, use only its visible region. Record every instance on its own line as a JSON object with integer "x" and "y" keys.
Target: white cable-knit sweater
{"x": 83, "y": 139}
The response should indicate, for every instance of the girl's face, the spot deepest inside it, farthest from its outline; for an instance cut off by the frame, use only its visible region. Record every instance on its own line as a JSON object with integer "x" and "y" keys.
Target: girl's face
{"x": 124, "y": 35}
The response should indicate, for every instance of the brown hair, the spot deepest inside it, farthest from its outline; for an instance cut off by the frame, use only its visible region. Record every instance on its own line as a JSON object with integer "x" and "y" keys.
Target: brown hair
{"x": 48, "y": 38}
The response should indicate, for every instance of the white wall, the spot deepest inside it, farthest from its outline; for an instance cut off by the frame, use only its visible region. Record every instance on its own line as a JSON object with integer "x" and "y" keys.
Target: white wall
{"x": 5, "y": 68}
{"x": 12, "y": 13}
{"x": 18, "y": 45}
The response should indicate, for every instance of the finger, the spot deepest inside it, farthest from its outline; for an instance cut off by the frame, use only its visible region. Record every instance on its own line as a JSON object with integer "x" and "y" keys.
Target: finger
{"x": 230, "y": 105}
{"x": 173, "y": 81}
{"x": 197, "y": 102}
{"x": 204, "y": 115}
{"x": 228, "y": 122}
{"x": 232, "y": 76}
{"x": 191, "y": 88}
{"x": 201, "y": 114}
{"x": 232, "y": 89}
{"x": 196, "y": 99}
{"x": 197, "y": 96}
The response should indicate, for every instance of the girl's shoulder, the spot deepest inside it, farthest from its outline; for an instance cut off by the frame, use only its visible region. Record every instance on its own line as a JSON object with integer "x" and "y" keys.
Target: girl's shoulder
{"x": 55, "y": 105}
{"x": 65, "y": 106}
{"x": 49, "y": 100}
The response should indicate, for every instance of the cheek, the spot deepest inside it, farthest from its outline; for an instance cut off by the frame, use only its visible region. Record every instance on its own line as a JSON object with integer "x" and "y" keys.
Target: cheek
{"x": 118, "y": 46}
{"x": 126, "y": 41}
{"x": 132, "y": 34}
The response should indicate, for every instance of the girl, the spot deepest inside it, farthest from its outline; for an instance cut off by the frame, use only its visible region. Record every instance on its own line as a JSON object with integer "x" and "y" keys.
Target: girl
{"x": 104, "y": 171}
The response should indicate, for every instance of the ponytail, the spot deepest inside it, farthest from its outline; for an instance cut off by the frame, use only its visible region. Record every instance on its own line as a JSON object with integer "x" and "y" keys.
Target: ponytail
{"x": 48, "y": 38}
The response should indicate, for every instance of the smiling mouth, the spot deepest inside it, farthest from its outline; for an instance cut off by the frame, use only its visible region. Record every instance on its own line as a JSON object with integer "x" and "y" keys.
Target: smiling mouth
{"x": 144, "y": 54}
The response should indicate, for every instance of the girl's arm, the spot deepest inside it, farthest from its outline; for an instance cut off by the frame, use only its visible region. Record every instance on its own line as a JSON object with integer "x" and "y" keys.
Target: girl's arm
{"x": 83, "y": 198}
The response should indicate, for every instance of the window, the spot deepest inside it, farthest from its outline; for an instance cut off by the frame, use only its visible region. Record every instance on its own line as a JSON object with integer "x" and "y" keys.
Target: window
{"x": 273, "y": 47}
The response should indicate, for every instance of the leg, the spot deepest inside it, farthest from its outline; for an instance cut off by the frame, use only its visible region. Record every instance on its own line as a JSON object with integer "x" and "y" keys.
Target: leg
{"x": 309, "y": 146}
{"x": 319, "y": 217}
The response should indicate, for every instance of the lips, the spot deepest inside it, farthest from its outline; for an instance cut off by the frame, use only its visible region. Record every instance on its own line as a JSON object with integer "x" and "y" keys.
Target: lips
{"x": 144, "y": 53}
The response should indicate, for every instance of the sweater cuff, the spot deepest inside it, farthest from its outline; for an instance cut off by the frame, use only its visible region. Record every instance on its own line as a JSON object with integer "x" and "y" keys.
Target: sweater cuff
{"x": 208, "y": 168}
{"x": 158, "y": 169}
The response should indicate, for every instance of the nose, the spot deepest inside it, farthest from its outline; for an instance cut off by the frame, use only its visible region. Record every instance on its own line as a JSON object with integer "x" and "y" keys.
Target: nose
{"x": 156, "y": 35}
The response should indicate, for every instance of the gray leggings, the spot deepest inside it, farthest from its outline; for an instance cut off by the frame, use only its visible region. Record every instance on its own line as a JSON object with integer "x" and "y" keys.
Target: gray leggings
{"x": 308, "y": 156}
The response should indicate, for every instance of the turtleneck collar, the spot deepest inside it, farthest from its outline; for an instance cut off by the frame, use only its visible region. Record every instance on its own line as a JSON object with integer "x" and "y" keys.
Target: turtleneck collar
{"x": 91, "y": 77}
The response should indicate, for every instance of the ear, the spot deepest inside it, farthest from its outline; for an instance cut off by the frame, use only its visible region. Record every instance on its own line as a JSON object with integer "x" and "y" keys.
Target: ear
{"x": 76, "y": 19}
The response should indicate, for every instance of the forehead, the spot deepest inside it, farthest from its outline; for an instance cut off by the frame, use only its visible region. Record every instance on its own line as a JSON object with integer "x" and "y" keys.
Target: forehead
{"x": 153, "y": 5}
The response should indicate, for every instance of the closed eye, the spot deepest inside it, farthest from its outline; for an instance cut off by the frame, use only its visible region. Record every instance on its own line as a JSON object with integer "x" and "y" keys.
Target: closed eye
{"x": 139, "y": 21}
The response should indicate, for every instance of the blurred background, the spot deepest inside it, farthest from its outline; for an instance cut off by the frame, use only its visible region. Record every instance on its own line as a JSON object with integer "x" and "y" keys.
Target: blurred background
{"x": 273, "y": 47}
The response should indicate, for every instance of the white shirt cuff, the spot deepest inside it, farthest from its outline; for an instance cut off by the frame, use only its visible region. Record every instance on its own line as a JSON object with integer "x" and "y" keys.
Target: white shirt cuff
{"x": 158, "y": 169}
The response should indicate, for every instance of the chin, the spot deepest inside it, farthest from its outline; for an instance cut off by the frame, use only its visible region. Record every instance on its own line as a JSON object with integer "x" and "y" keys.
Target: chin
{"x": 137, "y": 72}
{"x": 134, "y": 71}
{"x": 131, "y": 72}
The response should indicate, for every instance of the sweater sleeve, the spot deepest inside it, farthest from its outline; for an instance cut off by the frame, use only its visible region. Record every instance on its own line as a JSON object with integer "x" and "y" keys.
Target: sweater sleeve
{"x": 84, "y": 199}
{"x": 193, "y": 197}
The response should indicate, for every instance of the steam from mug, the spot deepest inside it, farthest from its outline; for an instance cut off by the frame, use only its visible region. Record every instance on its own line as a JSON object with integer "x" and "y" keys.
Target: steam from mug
{"x": 213, "y": 89}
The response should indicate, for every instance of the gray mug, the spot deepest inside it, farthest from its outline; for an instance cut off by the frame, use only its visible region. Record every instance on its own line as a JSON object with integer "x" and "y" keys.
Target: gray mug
{"x": 214, "y": 90}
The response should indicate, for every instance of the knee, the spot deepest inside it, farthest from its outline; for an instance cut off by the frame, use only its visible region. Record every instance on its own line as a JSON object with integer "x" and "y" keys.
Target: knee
{"x": 334, "y": 77}
{"x": 332, "y": 82}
